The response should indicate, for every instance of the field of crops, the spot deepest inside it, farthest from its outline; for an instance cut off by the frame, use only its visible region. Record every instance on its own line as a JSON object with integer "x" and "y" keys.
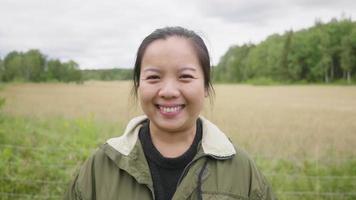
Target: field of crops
{"x": 302, "y": 137}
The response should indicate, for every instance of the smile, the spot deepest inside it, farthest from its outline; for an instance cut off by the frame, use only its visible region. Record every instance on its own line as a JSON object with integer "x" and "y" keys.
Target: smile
{"x": 170, "y": 109}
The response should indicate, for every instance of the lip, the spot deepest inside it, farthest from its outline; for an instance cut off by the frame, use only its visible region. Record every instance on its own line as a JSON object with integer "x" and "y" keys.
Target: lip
{"x": 170, "y": 110}
{"x": 170, "y": 105}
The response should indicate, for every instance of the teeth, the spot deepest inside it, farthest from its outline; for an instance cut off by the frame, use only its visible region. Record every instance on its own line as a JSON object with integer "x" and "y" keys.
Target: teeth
{"x": 170, "y": 109}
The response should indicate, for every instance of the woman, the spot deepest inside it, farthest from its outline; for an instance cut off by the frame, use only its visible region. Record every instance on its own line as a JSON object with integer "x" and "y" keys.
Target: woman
{"x": 172, "y": 152}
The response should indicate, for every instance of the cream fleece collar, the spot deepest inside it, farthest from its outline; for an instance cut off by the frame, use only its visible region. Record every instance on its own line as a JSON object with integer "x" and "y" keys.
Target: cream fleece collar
{"x": 214, "y": 141}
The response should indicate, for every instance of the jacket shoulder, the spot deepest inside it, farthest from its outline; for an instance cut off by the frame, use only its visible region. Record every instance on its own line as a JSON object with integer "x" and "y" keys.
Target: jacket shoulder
{"x": 83, "y": 185}
{"x": 109, "y": 174}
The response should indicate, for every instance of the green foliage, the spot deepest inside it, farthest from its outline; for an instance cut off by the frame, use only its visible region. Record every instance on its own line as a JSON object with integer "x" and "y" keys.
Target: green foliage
{"x": 39, "y": 156}
{"x": 233, "y": 57}
{"x": 1, "y": 68}
{"x": 2, "y": 102}
{"x": 63, "y": 72}
{"x": 33, "y": 66}
{"x": 107, "y": 74}
{"x": 13, "y": 63}
{"x": 322, "y": 53}
{"x": 311, "y": 179}
{"x": 283, "y": 69}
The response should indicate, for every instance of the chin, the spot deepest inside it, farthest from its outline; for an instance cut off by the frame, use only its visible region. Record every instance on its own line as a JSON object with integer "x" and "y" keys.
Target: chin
{"x": 172, "y": 125}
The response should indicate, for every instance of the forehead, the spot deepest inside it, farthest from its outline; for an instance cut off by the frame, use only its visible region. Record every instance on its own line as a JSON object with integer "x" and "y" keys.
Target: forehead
{"x": 173, "y": 51}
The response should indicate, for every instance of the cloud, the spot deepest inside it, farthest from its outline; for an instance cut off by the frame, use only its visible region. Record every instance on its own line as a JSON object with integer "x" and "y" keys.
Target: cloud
{"x": 321, "y": 4}
{"x": 76, "y": 30}
{"x": 251, "y": 12}
{"x": 266, "y": 12}
{"x": 107, "y": 33}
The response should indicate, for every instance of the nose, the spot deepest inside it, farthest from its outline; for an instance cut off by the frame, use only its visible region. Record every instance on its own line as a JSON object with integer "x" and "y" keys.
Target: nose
{"x": 169, "y": 90}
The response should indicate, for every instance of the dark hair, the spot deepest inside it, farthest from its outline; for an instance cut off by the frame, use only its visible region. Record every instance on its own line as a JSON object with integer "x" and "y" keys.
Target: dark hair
{"x": 164, "y": 33}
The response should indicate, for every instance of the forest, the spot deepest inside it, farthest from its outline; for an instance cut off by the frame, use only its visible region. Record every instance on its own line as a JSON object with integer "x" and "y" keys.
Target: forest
{"x": 107, "y": 74}
{"x": 325, "y": 53}
{"x": 34, "y": 66}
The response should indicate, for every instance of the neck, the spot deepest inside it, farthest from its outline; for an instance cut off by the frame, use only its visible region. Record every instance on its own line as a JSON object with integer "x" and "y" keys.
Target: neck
{"x": 172, "y": 144}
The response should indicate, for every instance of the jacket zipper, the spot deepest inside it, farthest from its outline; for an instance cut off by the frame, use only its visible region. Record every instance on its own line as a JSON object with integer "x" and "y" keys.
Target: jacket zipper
{"x": 185, "y": 171}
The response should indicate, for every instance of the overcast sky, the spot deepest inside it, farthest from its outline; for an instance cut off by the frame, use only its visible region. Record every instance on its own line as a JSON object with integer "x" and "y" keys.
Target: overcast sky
{"x": 107, "y": 33}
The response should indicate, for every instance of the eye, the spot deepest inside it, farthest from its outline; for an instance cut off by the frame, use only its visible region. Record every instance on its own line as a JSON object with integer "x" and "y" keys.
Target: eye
{"x": 186, "y": 76}
{"x": 152, "y": 77}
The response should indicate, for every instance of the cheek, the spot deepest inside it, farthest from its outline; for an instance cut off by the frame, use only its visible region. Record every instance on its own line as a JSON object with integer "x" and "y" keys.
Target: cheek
{"x": 196, "y": 96}
{"x": 145, "y": 94}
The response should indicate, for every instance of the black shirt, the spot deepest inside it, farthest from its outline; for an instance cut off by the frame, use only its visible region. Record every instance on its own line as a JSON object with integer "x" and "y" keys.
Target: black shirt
{"x": 166, "y": 172}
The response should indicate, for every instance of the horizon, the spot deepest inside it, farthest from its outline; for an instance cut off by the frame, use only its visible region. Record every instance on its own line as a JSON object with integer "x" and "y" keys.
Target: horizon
{"x": 107, "y": 35}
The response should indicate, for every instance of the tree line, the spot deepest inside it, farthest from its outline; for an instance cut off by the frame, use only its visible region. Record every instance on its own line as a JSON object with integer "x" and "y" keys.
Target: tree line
{"x": 33, "y": 66}
{"x": 325, "y": 52}
{"x": 107, "y": 74}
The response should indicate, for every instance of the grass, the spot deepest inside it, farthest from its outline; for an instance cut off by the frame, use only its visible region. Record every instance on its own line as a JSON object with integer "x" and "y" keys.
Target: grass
{"x": 38, "y": 157}
{"x": 262, "y": 81}
{"x": 265, "y": 81}
{"x": 302, "y": 137}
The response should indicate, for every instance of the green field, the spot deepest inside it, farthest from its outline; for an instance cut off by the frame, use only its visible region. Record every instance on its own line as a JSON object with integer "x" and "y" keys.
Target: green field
{"x": 302, "y": 137}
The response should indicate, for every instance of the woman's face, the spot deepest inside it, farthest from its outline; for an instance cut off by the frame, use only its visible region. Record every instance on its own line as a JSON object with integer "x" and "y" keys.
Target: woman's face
{"x": 171, "y": 89}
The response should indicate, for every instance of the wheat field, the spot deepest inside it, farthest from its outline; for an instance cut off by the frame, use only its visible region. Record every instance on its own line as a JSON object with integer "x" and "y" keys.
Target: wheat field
{"x": 272, "y": 121}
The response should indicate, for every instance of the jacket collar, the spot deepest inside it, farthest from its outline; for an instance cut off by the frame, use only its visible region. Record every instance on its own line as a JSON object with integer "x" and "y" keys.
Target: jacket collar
{"x": 214, "y": 141}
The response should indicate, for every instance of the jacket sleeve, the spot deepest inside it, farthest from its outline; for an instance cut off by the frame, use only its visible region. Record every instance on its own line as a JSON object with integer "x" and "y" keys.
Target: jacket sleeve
{"x": 251, "y": 178}
{"x": 82, "y": 187}
{"x": 260, "y": 187}
{"x": 269, "y": 194}
{"x": 72, "y": 192}
{"x": 265, "y": 193}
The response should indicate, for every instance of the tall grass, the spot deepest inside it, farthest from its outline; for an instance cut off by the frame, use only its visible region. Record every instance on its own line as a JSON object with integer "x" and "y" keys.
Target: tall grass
{"x": 38, "y": 156}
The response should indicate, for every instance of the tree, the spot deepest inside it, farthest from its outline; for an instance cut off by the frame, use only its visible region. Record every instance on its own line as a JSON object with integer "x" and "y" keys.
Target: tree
{"x": 322, "y": 53}
{"x": 284, "y": 62}
{"x": 348, "y": 55}
{"x": 13, "y": 63}
{"x": 1, "y": 69}
{"x": 54, "y": 70}
{"x": 34, "y": 66}
{"x": 299, "y": 57}
{"x": 71, "y": 72}
{"x": 325, "y": 61}
{"x": 337, "y": 30}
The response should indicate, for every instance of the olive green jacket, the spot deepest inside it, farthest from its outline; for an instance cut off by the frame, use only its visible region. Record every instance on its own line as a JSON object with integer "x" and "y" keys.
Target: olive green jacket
{"x": 119, "y": 170}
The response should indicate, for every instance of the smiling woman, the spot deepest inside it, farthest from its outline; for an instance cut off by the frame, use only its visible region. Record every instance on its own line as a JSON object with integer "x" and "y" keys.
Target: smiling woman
{"x": 171, "y": 152}
{"x": 171, "y": 93}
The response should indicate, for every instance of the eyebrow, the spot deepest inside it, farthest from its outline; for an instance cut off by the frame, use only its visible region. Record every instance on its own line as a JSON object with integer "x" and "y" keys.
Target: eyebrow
{"x": 187, "y": 68}
{"x": 151, "y": 69}
{"x": 158, "y": 70}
